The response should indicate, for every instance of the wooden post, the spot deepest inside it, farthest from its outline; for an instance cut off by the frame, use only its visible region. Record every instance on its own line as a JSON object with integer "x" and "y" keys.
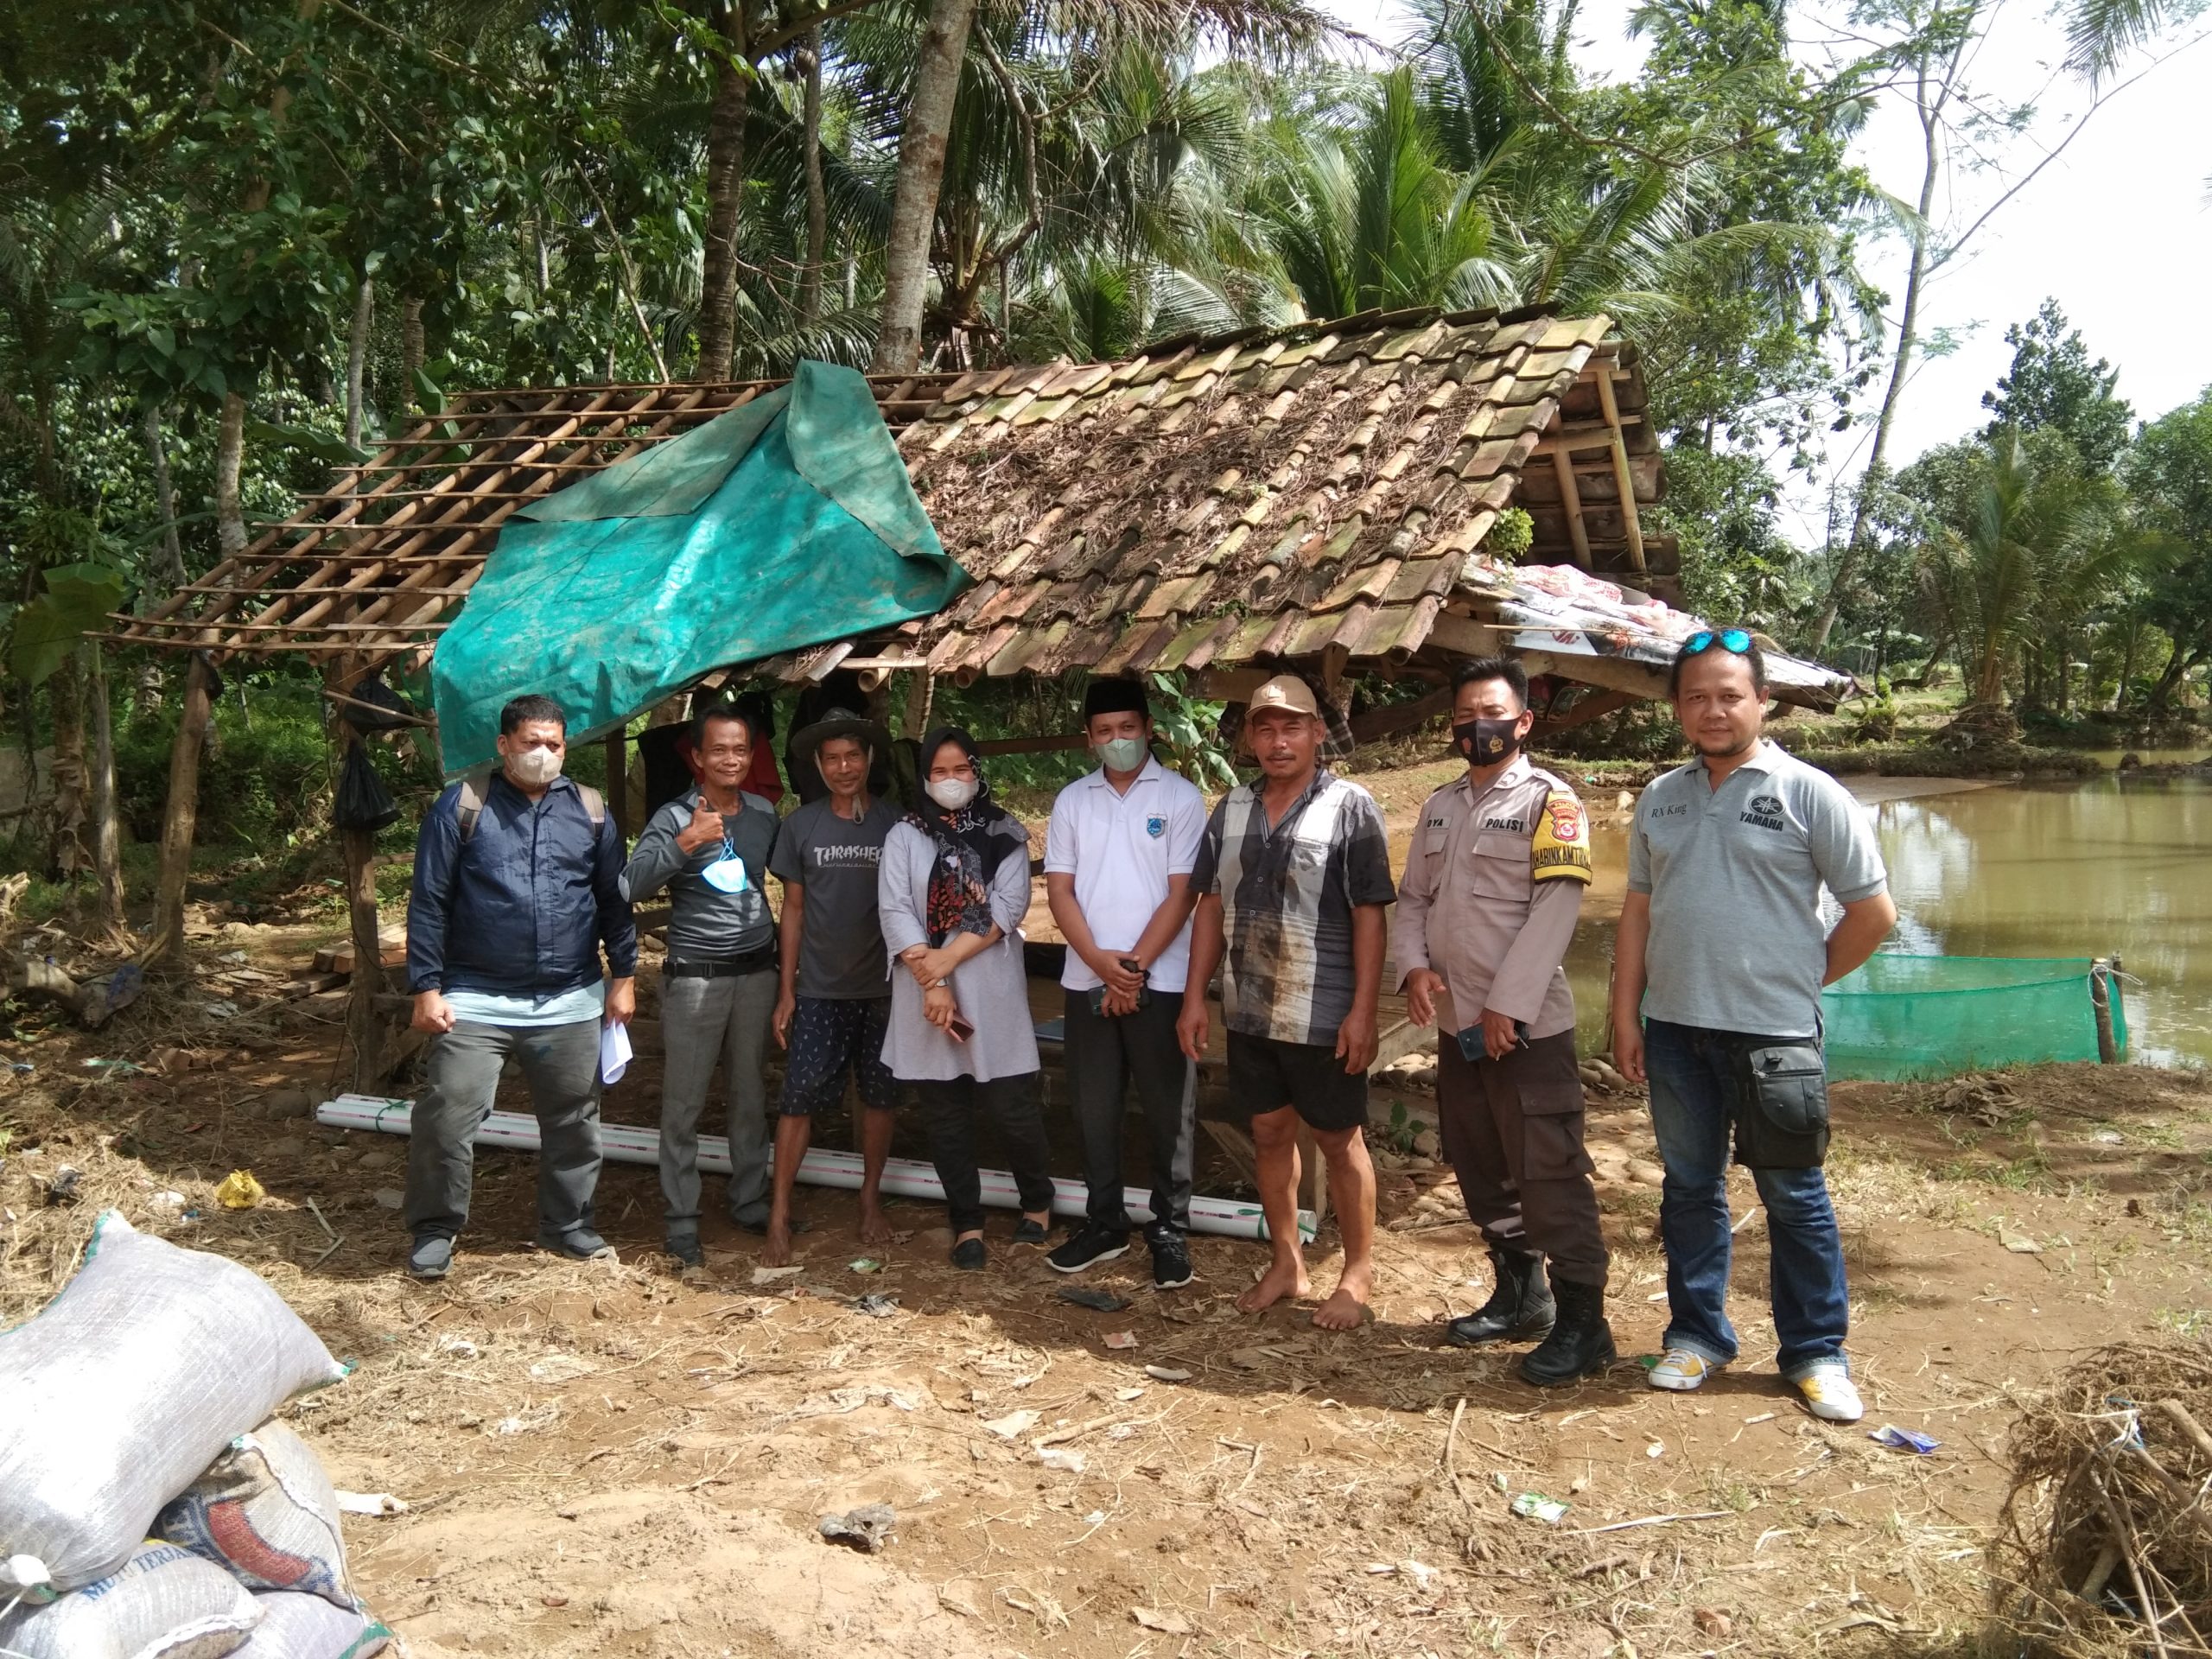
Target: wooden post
{"x": 364, "y": 1028}
{"x": 1570, "y": 499}
{"x": 1621, "y": 474}
{"x": 182, "y": 814}
{"x": 107, "y": 848}
{"x": 618, "y": 781}
{"x": 919, "y": 695}
{"x": 2101, "y": 1006}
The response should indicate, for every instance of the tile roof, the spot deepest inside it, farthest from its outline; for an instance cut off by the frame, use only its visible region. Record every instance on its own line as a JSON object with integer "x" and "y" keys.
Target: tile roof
{"x": 1320, "y": 492}
{"x": 1265, "y": 497}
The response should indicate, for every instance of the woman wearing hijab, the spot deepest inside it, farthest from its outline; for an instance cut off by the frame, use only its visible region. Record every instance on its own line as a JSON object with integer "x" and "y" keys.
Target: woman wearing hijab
{"x": 951, "y": 890}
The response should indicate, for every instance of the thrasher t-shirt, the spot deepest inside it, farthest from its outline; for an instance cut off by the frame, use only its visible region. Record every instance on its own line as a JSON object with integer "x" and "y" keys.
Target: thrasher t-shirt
{"x": 833, "y": 860}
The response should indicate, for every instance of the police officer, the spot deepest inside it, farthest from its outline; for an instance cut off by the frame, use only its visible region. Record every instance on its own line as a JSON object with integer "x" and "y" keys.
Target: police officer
{"x": 1493, "y": 884}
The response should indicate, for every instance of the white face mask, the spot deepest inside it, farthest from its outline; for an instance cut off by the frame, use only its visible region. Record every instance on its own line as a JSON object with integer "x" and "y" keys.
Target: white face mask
{"x": 952, "y": 793}
{"x": 1122, "y": 754}
{"x": 534, "y": 766}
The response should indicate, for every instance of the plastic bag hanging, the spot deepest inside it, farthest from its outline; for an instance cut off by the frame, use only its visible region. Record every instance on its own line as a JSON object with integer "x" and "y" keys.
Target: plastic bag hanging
{"x": 362, "y": 803}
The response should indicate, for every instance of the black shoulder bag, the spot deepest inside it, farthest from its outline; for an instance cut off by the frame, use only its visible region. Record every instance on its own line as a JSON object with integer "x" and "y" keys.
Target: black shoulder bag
{"x": 1782, "y": 1105}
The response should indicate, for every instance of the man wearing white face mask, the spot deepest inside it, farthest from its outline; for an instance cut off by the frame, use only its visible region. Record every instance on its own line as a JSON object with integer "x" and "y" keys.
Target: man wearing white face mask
{"x": 710, "y": 847}
{"x": 518, "y": 886}
{"x": 1118, "y": 872}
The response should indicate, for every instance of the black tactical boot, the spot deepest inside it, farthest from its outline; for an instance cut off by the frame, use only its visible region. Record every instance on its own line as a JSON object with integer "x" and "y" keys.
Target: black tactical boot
{"x": 1519, "y": 1306}
{"x": 1581, "y": 1343}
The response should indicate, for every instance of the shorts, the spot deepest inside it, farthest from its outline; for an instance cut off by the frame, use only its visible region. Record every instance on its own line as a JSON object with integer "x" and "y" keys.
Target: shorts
{"x": 1266, "y": 1074}
{"x": 829, "y": 1037}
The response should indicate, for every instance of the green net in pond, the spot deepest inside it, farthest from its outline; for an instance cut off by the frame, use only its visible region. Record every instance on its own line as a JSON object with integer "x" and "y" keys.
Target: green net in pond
{"x": 1903, "y": 1016}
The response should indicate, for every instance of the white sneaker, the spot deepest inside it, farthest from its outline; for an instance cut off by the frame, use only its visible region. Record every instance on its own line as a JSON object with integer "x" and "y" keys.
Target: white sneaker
{"x": 1829, "y": 1392}
{"x": 1679, "y": 1370}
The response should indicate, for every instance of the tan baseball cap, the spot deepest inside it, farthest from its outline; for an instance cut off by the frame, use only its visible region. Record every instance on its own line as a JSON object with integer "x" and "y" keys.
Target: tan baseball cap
{"x": 1285, "y": 691}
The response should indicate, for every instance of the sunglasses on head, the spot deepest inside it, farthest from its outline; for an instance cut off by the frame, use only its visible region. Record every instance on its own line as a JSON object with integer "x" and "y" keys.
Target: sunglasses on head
{"x": 1735, "y": 640}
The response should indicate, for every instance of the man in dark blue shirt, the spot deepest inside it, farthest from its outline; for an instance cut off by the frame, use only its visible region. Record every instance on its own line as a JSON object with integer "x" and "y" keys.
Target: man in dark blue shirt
{"x": 516, "y": 888}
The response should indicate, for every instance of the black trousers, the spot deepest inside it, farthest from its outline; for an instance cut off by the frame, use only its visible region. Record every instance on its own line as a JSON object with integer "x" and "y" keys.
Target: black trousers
{"x": 950, "y": 1107}
{"x": 1512, "y": 1132}
{"x": 1106, "y": 1052}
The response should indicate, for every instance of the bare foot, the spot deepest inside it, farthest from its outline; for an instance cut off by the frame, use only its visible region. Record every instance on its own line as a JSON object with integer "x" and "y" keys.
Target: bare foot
{"x": 1283, "y": 1278}
{"x": 875, "y": 1226}
{"x": 776, "y": 1251}
{"x": 1347, "y": 1305}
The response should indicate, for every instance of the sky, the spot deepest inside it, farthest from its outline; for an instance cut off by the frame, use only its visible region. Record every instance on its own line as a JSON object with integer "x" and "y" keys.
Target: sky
{"x": 2118, "y": 229}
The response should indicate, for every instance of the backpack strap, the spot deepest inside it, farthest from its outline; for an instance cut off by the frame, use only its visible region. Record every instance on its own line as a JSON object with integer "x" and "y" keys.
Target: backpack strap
{"x": 469, "y": 806}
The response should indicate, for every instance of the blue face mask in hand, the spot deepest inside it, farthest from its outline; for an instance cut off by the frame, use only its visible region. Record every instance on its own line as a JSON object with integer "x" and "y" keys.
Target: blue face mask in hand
{"x": 726, "y": 873}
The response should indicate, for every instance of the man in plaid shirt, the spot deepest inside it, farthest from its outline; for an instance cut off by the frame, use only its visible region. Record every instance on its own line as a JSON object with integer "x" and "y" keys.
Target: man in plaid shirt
{"x": 1292, "y": 877}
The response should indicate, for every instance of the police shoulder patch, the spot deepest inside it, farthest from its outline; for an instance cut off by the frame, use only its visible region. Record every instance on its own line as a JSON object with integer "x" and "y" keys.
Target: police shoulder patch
{"x": 1561, "y": 847}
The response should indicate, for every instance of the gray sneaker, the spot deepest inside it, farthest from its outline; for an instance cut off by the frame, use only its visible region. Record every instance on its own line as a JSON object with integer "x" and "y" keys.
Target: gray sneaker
{"x": 432, "y": 1256}
{"x": 579, "y": 1244}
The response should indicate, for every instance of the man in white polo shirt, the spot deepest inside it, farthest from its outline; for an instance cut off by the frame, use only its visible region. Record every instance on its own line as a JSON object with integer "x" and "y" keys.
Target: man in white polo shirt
{"x": 1118, "y": 872}
{"x": 1717, "y": 978}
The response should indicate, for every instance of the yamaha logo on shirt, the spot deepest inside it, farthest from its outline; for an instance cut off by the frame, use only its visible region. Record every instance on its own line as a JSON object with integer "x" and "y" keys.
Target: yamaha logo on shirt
{"x": 1765, "y": 812}
{"x": 1156, "y": 828}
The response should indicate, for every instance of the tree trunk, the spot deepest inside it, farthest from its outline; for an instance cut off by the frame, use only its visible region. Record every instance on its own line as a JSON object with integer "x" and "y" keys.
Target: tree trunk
{"x": 817, "y": 200}
{"x": 66, "y": 852}
{"x": 725, "y": 196}
{"x": 410, "y": 352}
{"x": 158, "y": 451}
{"x": 2126, "y": 665}
{"x": 182, "y": 813}
{"x": 1900, "y": 368}
{"x": 230, "y": 455}
{"x": 357, "y": 356}
{"x": 107, "y": 839}
{"x": 921, "y": 172}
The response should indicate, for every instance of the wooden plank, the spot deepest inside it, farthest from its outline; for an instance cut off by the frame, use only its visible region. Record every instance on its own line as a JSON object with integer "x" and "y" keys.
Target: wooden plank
{"x": 1400, "y": 1039}
{"x": 1235, "y": 1145}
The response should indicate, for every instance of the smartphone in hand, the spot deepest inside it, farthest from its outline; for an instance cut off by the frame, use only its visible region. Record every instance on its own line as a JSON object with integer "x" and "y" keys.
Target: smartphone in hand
{"x": 960, "y": 1029}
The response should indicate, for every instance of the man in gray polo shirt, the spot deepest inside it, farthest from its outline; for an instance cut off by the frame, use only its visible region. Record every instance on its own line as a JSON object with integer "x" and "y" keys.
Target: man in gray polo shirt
{"x": 710, "y": 846}
{"x": 1717, "y": 983}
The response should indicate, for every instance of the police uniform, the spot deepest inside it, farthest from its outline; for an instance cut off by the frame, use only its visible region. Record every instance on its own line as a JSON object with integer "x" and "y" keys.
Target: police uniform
{"x": 1492, "y": 889}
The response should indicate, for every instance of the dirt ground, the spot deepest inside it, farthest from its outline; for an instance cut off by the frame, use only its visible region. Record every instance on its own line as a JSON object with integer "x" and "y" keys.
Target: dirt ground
{"x": 609, "y": 1460}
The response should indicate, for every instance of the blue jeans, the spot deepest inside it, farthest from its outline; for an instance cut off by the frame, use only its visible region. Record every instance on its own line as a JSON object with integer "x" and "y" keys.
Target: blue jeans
{"x": 1692, "y": 1083}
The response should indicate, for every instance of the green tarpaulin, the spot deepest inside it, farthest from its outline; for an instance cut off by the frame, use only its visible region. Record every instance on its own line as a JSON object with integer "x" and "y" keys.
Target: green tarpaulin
{"x": 785, "y": 523}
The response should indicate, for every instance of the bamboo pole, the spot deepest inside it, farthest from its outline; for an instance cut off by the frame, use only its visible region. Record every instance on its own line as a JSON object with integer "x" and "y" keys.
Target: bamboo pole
{"x": 1621, "y": 474}
{"x": 1570, "y": 497}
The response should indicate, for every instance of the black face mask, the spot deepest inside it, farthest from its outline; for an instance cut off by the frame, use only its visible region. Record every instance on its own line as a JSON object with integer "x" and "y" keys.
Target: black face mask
{"x": 1486, "y": 742}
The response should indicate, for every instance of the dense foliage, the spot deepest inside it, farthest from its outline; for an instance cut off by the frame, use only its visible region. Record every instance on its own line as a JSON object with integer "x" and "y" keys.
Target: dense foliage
{"x": 238, "y": 240}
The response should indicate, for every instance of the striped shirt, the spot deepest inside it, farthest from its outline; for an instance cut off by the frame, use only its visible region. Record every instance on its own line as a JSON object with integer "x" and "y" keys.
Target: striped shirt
{"x": 1286, "y": 899}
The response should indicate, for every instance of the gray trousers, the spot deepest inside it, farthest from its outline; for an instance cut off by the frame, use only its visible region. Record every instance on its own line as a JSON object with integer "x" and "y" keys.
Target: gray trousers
{"x": 561, "y": 1066}
{"x": 702, "y": 1021}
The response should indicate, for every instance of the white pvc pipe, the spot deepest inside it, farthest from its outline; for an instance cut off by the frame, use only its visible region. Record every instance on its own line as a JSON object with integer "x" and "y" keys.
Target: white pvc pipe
{"x": 903, "y": 1178}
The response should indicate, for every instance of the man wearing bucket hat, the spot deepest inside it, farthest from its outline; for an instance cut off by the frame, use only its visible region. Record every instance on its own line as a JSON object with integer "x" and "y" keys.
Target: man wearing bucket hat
{"x": 710, "y": 846}
{"x": 833, "y": 1000}
{"x": 1292, "y": 876}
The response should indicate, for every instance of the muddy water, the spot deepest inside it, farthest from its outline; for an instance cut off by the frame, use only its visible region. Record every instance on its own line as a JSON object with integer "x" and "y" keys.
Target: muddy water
{"x": 2103, "y": 867}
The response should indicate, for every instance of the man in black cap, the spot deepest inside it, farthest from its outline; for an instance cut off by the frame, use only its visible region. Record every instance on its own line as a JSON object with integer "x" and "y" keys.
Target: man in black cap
{"x": 1118, "y": 872}
{"x": 835, "y": 996}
